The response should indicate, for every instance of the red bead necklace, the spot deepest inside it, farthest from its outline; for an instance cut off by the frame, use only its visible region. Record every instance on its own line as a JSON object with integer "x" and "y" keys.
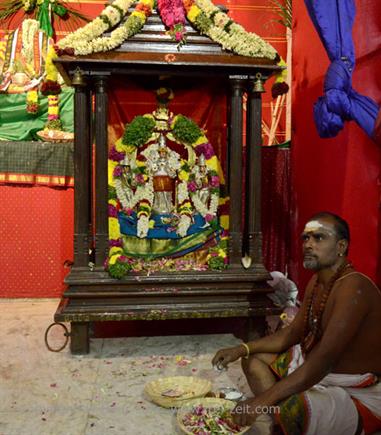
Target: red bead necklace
{"x": 312, "y": 330}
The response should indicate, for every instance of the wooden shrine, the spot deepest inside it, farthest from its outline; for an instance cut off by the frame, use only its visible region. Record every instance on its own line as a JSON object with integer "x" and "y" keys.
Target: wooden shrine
{"x": 92, "y": 295}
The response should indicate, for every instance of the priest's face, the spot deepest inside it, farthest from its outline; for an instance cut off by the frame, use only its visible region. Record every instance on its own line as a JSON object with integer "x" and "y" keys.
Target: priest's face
{"x": 321, "y": 248}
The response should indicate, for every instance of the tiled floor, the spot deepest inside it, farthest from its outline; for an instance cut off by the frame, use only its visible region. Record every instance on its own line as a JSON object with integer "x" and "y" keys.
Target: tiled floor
{"x": 43, "y": 393}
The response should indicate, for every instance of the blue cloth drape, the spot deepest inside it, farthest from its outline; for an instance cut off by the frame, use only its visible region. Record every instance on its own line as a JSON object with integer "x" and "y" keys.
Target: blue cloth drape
{"x": 333, "y": 20}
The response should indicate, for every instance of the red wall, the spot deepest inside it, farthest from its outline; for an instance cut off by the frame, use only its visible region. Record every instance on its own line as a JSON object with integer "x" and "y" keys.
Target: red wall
{"x": 340, "y": 174}
{"x": 36, "y": 227}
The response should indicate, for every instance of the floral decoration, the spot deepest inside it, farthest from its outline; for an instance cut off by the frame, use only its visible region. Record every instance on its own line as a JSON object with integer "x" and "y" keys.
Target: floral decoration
{"x": 54, "y": 122}
{"x": 172, "y": 14}
{"x": 210, "y": 181}
{"x": 139, "y": 131}
{"x": 202, "y": 14}
{"x": 211, "y": 21}
{"x": 51, "y": 88}
{"x": 217, "y": 258}
{"x": 88, "y": 39}
{"x": 185, "y": 130}
{"x": 212, "y": 420}
{"x": 32, "y": 102}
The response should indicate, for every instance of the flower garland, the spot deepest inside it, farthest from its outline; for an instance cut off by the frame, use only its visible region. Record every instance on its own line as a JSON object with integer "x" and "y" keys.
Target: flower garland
{"x": 113, "y": 14}
{"x": 32, "y": 102}
{"x": 172, "y": 14}
{"x": 129, "y": 202}
{"x": 211, "y": 21}
{"x": 144, "y": 211}
{"x": 209, "y": 213}
{"x": 142, "y": 197}
{"x": 88, "y": 39}
{"x": 29, "y": 29}
{"x": 54, "y": 122}
{"x": 203, "y": 15}
{"x": 217, "y": 258}
{"x": 182, "y": 192}
{"x": 186, "y": 131}
{"x": 51, "y": 88}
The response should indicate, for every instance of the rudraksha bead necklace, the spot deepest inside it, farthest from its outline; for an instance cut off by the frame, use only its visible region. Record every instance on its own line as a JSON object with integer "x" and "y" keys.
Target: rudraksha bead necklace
{"x": 312, "y": 330}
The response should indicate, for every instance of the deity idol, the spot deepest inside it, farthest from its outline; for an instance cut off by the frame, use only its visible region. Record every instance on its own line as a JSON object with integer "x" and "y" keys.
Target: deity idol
{"x": 163, "y": 164}
{"x": 203, "y": 181}
{"x": 127, "y": 178}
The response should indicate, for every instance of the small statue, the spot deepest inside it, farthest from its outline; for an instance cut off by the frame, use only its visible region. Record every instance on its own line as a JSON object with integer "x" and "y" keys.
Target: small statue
{"x": 202, "y": 181}
{"x": 127, "y": 178}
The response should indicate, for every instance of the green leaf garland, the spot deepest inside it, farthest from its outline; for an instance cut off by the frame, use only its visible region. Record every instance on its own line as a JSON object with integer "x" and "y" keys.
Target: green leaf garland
{"x": 138, "y": 131}
{"x": 185, "y": 130}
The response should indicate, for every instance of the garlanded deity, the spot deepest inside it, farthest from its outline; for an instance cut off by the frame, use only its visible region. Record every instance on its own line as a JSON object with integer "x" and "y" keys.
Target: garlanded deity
{"x": 167, "y": 195}
{"x": 163, "y": 165}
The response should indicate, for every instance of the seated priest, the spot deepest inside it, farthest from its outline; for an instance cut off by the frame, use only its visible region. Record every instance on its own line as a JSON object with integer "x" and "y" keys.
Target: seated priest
{"x": 321, "y": 374}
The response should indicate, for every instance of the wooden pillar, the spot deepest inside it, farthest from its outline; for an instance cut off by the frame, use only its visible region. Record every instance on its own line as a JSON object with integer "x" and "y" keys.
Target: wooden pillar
{"x": 79, "y": 338}
{"x": 253, "y": 245}
{"x": 101, "y": 178}
{"x": 235, "y": 169}
{"x": 82, "y": 146}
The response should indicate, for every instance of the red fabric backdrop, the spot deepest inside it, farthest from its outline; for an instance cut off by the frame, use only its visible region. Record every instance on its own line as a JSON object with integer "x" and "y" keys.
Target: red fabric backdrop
{"x": 342, "y": 174}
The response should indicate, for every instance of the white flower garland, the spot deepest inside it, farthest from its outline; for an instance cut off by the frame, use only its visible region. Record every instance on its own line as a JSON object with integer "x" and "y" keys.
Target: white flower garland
{"x": 29, "y": 28}
{"x": 82, "y": 39}
{"x": 142, "y": 226}
{"x": 129, "y": 201}
{"x": 182, "y": 192}
{"x": 237, "y": 39}
{"x": 104, "y": 43}
{"x": 174, "y": 160}
{"x": 203, "y": 209}
{"x": 148, "y": 191}
{"x": 183, "y": 225}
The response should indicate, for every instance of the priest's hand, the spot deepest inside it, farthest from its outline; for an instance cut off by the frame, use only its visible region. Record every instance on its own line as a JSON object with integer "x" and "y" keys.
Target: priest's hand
{"x": 226, "y": 356}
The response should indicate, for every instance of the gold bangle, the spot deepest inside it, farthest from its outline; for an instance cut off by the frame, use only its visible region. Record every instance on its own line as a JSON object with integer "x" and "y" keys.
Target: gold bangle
{"x": 247, "y": 350}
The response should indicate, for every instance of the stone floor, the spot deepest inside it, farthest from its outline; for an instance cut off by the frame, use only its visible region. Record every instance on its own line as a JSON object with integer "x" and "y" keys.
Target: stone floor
{"x": 43, "y": 393}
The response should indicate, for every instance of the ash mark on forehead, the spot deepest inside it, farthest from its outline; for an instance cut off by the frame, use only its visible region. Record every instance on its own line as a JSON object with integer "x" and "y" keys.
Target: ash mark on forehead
{"x": 313, "y": 226}
{"x": 317, "y": 226}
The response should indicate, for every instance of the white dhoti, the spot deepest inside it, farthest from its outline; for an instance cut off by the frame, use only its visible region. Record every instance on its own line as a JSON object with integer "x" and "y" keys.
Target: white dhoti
{"x": 332, "y": 406}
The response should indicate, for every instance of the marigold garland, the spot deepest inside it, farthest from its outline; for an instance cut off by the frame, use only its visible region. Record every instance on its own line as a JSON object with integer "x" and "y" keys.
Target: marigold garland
{"x": 32, "y": 102}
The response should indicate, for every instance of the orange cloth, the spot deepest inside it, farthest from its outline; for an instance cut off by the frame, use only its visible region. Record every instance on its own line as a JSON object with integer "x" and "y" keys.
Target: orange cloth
{"x": 162, "y": 183}
{"x": 370, "y": 422}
